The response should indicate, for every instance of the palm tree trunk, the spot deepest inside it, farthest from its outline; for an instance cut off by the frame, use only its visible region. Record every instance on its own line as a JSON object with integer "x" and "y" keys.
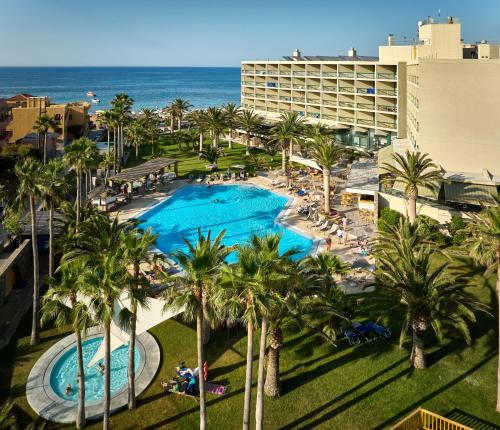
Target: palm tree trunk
{"x": 272, "y": 385}
{"x": 247, "y": 149}
{"x": 259, "y": 407}
{"x": 179, "y": 120}
{"x": 136, "y": 151}
{"x": 80, "y": 416}
{"x": 206, "y": 331}
{"x": 412, "y": 209}
{"x": 290, "y": 151}
{"x": 498, "y": 295}
{"x": 78, "y": 196}
{"x": 45, "y": 148}
{"x": 418, "y": 355}
{"x": 230, "y": 144}
{"x": 132, "y": 400}
{"x": 326, "y": 189}
{"x": 247, "y": 404}
{"x": 109, "y": 144}
{"x": 35, "y": 335}
{"x": 171, "y": 124}
{"x": 107, "y": 387}
{"x": 51, "y": 240}
{"x": 283, "y": 158}
{"x": 201, "y": 359}
{"x": 115, "y": 149}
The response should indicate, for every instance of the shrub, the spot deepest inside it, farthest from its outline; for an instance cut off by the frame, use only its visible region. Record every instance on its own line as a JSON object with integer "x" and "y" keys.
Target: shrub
{"x": 388, "y": 218}
{"x": 456, "y": 229}
{"x": 431, "y": 228}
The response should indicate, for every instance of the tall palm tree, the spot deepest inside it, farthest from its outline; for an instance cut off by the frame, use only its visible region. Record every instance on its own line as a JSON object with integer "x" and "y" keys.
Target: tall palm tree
{"x": 249, "y": 121}
{"x": 43, "y": 125}
{"x": 53, "y": 192}
{"x": 151, "y": 122}
{"x": 215, "y": 121}
{"x": 273, "y": 271}
{"x": 122, "y": 108}
{"x": 180, "y": 108}
{"x": 202, "y": 265}
{"x": 483, "y": 245}
{"x": 78, "y": 156}
{"x": 30, "y": 187}
{"x": 294, "y": 123}
{"x": 62, "y": 305}
{"x": 107, "y": 162}
{"x": 136, "y": 248}
{"x": 284, "y": 134}
{"x": 414, "y": 170}
{"x": 326, "y": 153}
{"x": 107, "y": 119}
{"x": 231, "y": 112}
{"x": 317, "y": 130}
{"x": 242, "y": 294}
{"x": 197, "y": 117}
{"x": 136, "y": 134}
{"x": 170, "y": 113}
{"x": 432, "y": 296}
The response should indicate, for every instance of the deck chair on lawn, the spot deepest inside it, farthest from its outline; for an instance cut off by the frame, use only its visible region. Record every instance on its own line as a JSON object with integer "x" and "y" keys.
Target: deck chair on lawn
{"x": 173, "y": 387}
{"x": 352, "y": 337}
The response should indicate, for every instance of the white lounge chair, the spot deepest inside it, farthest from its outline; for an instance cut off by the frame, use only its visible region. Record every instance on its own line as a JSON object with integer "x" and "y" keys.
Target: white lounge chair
{"x": 333, "y": 229}
{"x": 317, "y": 223}
{"x": 322, "y": 227}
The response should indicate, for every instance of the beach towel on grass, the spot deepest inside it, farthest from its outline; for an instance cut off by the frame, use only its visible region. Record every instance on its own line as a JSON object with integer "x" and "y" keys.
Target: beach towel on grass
{"x": 216, "y": 388}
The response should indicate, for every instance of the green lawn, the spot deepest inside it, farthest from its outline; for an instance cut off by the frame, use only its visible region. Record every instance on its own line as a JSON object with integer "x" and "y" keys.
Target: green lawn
{"x": 189, "y": 162}
{"x": 363, "y": 387}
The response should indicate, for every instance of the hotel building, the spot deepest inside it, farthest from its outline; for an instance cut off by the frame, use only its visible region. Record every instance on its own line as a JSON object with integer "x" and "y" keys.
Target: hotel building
{"x": 433, "y": 93}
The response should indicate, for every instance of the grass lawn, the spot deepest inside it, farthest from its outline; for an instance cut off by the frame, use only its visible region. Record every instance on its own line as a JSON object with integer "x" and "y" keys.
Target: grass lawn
{"x": 189, "y": 162}
{"x": 363, "y": 387}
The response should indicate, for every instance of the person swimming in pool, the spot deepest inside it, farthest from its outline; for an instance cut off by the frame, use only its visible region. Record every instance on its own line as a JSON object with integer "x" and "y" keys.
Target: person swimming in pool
{"x": 101, "y": 367}
{"x": 68, "y": 390}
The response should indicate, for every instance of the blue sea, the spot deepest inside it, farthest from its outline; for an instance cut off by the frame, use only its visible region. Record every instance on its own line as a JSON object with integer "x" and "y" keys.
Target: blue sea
{"x": 152, "y": 87}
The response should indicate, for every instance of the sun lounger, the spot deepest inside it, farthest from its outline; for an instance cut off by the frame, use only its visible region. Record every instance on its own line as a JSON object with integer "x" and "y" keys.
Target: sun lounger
{"x": 351, "y": 336}
{"x": 379, "y": 330}
{"x": 333, "y": 229}
{"x": 323, "y": 226}
{"x": 217, "y": 389}
{"x": 363, "y": 330}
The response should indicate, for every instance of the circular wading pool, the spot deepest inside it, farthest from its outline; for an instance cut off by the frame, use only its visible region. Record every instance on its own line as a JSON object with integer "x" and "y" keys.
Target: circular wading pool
{"x": 57, "y": 367}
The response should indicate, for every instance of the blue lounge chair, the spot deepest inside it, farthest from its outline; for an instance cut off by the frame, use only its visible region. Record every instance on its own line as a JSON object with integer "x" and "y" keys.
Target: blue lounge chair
{"x": 363, "y": 330}
{"x": 352, "y": 337}
{"x": 379, "y": 330}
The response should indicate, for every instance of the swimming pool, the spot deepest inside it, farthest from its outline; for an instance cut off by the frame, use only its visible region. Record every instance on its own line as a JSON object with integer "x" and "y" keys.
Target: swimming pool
{"x": 242, "y": 210}
{"x": 65, "y": 371}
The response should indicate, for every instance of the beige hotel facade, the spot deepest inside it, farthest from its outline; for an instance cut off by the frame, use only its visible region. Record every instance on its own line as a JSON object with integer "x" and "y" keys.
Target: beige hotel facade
{"x": 432, "y": 93}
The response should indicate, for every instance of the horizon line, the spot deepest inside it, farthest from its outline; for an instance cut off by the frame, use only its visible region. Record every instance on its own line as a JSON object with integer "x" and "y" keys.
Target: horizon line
{"x": 121, "y": 66}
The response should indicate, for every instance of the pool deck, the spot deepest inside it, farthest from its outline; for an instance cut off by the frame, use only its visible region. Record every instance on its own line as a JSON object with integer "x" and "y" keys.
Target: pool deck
{"x": 288, "y": 217}
{"x": 46, "y": 403}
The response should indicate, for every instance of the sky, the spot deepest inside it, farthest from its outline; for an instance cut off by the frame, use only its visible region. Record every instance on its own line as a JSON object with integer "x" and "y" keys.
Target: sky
{"x": 216, "y": 32}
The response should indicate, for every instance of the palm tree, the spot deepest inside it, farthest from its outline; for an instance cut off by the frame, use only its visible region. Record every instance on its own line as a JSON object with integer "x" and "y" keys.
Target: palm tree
{"x": 136, "y": 251}
{"x": 249, "y": 121}
{"x": 202, "y": 265}
{"x": 431, "y": 295}
{"x": 294, "y": 123}
{"x": 211, "y": 154}
{"x": 284, "y": 134}
{"x": 107, "y": 119}
{"x": 326, "y": 153}
{"x": 231, "y": 112}
{"x": 414, "y": 170}
{"x": 79, "y": 156}
{"x": 151, "y": 122}
{"x": 241, "y": 294}
{"x": 107, "y": 162}
{"x": 122, "y": 107}
{"x": 483, "y": 245}
{"x": 43, "y": 124}
{"x": 8, "y": 420}
{"x": 53, "y": 192}
{"x": 317, "y": 130}
{"x": 136, "y": 135}
{"x": 180, "y": 108}
{"x": 197, "y": 117}
{"x": 215, "y": 121}
{"x": 30, "y": 186}
{"x": 170, "y": 113}
{"x": 62, "y": 305}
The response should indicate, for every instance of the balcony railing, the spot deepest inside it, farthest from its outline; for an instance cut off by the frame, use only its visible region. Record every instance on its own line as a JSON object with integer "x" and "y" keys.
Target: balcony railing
{"x": 272, "y": 84}
{"x": 426, "y": 420}
{"x": 346, "y": 74}
{"x": 260, "y": 84}
{"x": 285, "y": 99}
{"x": 314, "y": 115}
{"x": 272, "y": 97}
{"x": 298, "y": 73}
{"x": 346, "y": 104}
{"x": 299, "y": 99}
{"x": 329, "y": 102}
{"x": 383, "y": 92}
{"x": 329, "y": 74}
{"x": 386, "y": 108}
{"x": 366, "y": 106}
{"x": 329, "y": 88}
{"x": 298, "y": 87}
{"x": 285, "y": 72}
{"x": 283, "y": 85}
{"x": 260, "y": 72}
{"x": 330, "y": 117}
{"x": 365, "y": 90}
{"x": 248, "y": 83}
{"x": 247, "y": 94}
{"x": 346, "y": 89}
{"x": 365, "y": 121}
{"x": 272, "y": 72}
{"x": 365, "y": 75}
{"x": 346, "y": 119}
{"x": 272, "y": 109}
{"x": 391, "y": 76}
{"x": 385, "y": 124}
{"x": 315, "y": 101}
{"x": 247, "y": 72}
{"x": 312, "y": 73}
{"x": 314, "y": 87}
{"x": 260, "y": 96}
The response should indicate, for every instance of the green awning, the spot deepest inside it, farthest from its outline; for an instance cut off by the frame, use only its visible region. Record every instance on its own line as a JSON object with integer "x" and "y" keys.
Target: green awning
{"x": 474, "y": 194}
{"x": 422, "y": 191}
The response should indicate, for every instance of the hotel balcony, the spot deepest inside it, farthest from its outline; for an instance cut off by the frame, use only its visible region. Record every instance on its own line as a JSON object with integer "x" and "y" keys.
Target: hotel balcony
{"x": 247, "y": 83}
{"x": 349, "y": 75}
{"x": 366, "y": 90}
{"x": 387, "y": 76}
{"x": 272, "y": 97}
{"x": 285, "y": 85}
{"x": 384, "y": 92}
{"x": 272, "y": 72}
{"x": 314, "y": 87}
{"x": 299, "y": 99}
{"x": 368, "y": 75}
{"x": 314, "y": 101}
{"x": 387, "y": 108}
{"x": 368, "y": 122}
{"x": 329, "y": 117}
{"x": 285, "y": 98}
{"x": 349, "y": 120}
{"x": 298, "y": 73}
{"x": 347, "y": 89}
{"x": 313, "y": 73}
{"x": 329, "y": 102}
{"x": 299, "y": 87}
{"x": 329, "y": 74}
{"x": 365, "y": 106}
{"x": 329, "y": 88}
{"x": 385, "y": 124}
{"x": 347, "y": 104}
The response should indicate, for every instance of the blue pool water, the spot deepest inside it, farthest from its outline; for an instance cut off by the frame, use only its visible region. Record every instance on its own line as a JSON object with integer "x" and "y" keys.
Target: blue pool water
{"x": 66, "y": 369}
{"x": 240, "y": 209}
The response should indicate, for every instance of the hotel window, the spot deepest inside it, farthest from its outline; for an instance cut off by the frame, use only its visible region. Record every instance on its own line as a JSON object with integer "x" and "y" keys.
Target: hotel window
{"x": 57, "y": 117}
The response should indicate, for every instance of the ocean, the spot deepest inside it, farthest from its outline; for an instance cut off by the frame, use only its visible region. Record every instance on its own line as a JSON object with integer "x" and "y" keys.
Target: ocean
{"x": 152, "y": 87}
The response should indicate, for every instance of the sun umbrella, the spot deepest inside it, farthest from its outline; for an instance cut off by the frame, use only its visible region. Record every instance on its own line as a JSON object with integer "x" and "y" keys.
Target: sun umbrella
{"x": 238, "y": 166}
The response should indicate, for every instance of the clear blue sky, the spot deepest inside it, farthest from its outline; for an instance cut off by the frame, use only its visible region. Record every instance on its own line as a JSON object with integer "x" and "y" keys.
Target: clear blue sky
{"x": 215, "y": 32}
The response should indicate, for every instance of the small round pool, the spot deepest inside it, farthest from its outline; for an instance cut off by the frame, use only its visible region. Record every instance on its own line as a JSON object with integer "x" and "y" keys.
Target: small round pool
{"x": 65, "y": 371}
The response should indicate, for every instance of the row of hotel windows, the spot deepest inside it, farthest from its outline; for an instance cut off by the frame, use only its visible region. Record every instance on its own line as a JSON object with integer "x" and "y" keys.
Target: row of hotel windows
{"x": 413, "y": 79}
{"x": 413, "y": 100}
{"x": 413, "y": 120}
